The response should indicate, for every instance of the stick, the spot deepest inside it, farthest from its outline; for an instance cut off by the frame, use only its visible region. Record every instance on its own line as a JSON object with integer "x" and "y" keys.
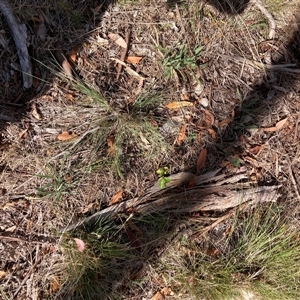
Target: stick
{"x": 124, "y": 53}
{"x": 218, "y": 221}
{"x": 19, "y": 34}
{"x": 272, "y": 23}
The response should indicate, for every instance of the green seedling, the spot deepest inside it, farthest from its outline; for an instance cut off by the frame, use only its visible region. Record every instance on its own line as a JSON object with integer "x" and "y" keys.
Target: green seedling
{"x": 180, "y": 59}
{"x": 163, "y": 177}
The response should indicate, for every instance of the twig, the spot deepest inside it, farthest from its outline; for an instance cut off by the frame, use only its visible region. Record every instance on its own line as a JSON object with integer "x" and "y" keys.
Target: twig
{"x": 259, "y": 65}
{"x": 218, "y": 221}
{"x": 272, "y": 23}
{"x": 15, "y": 239}
{"x": 19, "y": 34}
{"x": 27, "y": 276}
{"x": 180, "y": 19}
{"x": 124, "y": 53}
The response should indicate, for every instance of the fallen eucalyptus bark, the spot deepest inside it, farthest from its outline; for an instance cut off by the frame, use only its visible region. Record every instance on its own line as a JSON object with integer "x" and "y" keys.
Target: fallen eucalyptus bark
{"x": 217, "y": 198}
{"x": 207, "y": 195}
{"x": 19, "y": 34}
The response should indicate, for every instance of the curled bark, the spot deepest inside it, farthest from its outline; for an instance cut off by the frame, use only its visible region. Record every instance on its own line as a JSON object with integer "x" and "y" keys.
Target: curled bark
{"x": 19, "y": 33}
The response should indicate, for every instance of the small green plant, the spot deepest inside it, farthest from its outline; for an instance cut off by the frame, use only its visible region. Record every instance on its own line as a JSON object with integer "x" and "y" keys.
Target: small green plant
{"x": 180, "y": 59}
{"x": 57, "y": 183}
{"x": 163, "y": 177}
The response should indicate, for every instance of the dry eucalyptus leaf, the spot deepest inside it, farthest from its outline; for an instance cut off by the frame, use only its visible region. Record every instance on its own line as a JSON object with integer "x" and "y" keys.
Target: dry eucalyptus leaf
{"x": 209, "y": 118}
{"x": 133, "y": 59}
{"x": 2, "y": 274}
{"x": 224, "y": 122}
{"x": 54, "y": 285}
{"x": 111, "y": 148}
{"x": 129, "y": 70}
{"x": 278, "y": 126}
{"x": 181, "y": 136}
{"x": 65, "y": 136}
{"x": 116, "y": 197}
{"x": 117, "y": 39}
{"x": 179, "y": 104}
{"x": 201, "y": 159}
{"x": 35, "y": 112}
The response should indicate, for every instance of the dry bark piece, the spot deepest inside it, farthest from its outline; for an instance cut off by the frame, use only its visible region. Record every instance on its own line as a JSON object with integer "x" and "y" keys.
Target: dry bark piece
{"x": 19, "y": 34}
{"x": 209, "y": 197}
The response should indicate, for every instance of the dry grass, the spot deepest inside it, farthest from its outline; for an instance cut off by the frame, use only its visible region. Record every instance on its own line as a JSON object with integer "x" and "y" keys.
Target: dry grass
{"x": 190, "y": 52}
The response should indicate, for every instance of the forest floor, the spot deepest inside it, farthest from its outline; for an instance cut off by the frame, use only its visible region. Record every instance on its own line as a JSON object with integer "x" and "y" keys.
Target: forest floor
{"x": 158, "y": 144}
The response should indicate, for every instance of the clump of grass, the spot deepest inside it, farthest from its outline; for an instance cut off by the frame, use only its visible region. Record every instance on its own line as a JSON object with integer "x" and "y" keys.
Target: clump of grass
{"x": 91, "y": 273}
{"x": 181, "y": 59}
{"x": 56, "y": 183}
{"x": 260, "y": 255}
{"x": 121, "y": 132}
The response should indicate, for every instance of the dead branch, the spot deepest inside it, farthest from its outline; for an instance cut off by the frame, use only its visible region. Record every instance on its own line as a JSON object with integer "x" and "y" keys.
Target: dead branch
{"x": 19, "y": 33}
{"x": 218, "y": 198}
{"x": 124, "y": 53}
{"x": 208, "y": 197}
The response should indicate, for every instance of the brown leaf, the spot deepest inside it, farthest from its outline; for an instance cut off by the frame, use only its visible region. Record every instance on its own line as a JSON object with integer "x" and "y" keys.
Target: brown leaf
{"x": 23, "y": 133}
{"x": 212, "y": 133}
{"x": 130, "y": 71}
{"x": 116, "y": 197}
{"x": 256, "y": 149}
{"x": 181, "y": 136}
{"x": 54, "y": 285}
{"x": 79, "y": 244}
{"x": 35, "y": 112}
{"x": 73, "y": 53}
{"x": 224, "y": 163}
{"x": 117, "y": 39}
{"x": 2, "y": 274}
{"x": 166, "y": 291}
{"x": 201, "y": 159}
{"x": 139, "y": 87}
{"x": 111, "y": 148}
{"x": 66, "y": 136}
{"x": 179, "y": 104}
{"x": 251, "y": 160}
{"x": 209, "y": 118}
{"x": 70, "y": 97}
{"x": 224, "y": 122}
{"x": 133, "y": 59}
{"x": 278, "y": 126}
{"x": 212, "y": 251}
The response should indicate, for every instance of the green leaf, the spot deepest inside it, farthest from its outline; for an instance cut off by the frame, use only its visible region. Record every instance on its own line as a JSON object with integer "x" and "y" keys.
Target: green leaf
{"x": 161, "y": 182}
{"x": 167, "y": 179}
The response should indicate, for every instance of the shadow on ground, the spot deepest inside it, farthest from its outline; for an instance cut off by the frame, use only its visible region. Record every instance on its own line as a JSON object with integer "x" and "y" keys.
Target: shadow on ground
{"x": 268, "y": 93}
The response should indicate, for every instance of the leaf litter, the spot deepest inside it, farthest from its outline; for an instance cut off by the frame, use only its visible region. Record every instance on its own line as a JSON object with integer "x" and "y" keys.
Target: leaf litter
{"x": 95, "y": 62}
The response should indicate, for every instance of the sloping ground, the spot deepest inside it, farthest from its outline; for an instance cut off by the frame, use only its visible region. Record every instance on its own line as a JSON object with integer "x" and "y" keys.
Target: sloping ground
{"x": 195, "y": 76}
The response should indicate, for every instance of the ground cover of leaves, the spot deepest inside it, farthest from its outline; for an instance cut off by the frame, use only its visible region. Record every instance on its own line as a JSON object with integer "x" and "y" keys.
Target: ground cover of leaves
{"x": 202, "y": 67}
